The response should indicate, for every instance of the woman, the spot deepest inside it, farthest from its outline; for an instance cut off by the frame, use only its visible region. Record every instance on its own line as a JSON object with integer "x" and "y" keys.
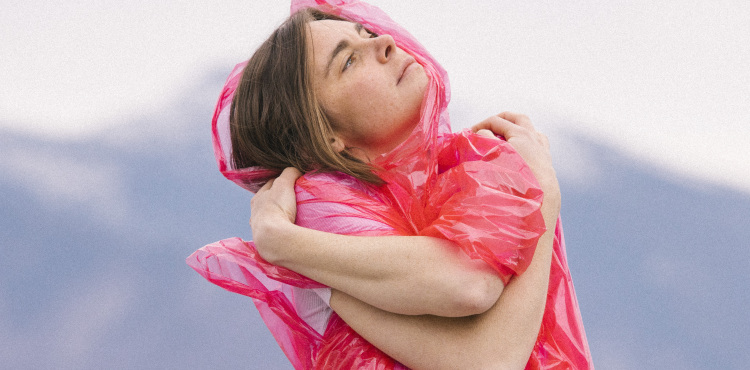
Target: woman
{"x": 374, "y": 145}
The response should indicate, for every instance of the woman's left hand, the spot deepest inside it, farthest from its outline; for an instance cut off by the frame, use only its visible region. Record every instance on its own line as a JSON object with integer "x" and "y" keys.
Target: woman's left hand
{"x": 486, "y": 133}
{"x": 275, "y": 204}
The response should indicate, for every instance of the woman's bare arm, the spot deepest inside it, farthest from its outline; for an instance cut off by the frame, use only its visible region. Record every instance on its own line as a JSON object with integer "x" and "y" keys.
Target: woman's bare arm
{"x": 410, "y": 275}
{"x": 501, "y": 338}
{"x": 407, "y": 275}
{"x": 504, "y": 336}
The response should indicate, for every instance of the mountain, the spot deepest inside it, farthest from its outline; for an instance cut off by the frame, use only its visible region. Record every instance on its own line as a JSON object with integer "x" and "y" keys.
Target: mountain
{"x": 660, "y": 266}
{"x": 95, "y": 233}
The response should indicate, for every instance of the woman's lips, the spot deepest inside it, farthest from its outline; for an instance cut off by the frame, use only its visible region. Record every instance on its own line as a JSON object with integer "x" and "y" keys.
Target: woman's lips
{"x": 404, "y": 67}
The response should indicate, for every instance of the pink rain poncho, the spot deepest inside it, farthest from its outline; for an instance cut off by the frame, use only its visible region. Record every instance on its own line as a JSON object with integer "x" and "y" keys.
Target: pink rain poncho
{"x": 474, "y": 191}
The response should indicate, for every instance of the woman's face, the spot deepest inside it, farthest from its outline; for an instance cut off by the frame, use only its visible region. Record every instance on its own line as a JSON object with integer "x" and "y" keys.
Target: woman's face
{"x": 370, "y": 89}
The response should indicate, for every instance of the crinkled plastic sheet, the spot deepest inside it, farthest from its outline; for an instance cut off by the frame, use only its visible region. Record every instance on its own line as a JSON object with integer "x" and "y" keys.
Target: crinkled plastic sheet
{"x": 472, "y": 190}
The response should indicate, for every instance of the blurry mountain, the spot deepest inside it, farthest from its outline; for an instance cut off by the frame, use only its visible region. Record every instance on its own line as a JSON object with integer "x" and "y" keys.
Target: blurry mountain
{"x": 660, "y": 263}
{"x": 95, "y": 234}
{"x": 94, "y": 238}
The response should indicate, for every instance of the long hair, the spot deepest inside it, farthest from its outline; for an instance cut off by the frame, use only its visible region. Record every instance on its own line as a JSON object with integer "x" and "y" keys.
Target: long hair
{"x": 275, "y": 118}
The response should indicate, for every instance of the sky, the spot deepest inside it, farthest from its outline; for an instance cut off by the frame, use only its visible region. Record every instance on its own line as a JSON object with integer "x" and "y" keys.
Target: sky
{"x": 664, "y": 81}
{"x": 89, "y": 90}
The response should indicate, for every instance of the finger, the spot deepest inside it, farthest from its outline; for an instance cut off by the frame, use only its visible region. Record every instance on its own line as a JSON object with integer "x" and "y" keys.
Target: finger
{"x": 288, "y": 177}
{"x": 265, "y": 186}
{"x": 544, "y": 139}
{"x": 517, "y": 118}
{"x": 497, "y": 125}
{"x": 486, "y": 133}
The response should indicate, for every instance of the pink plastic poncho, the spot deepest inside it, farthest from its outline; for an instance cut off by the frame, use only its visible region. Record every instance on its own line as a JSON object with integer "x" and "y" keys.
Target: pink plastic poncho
{"x": 472, "y": 190}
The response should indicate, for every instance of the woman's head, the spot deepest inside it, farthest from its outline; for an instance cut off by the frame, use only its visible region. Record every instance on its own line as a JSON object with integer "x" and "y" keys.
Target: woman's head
{"x": 370, "y": 89}
{"x": 322, "y": 93}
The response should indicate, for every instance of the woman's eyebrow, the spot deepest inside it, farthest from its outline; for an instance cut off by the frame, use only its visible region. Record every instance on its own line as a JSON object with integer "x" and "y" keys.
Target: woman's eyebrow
{"x": 343, "y": 44}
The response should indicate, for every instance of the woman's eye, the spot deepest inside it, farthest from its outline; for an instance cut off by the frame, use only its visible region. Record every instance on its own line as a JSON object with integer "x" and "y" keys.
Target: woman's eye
{"x": 348, "y": 62}
{"x": 372, "y": 34}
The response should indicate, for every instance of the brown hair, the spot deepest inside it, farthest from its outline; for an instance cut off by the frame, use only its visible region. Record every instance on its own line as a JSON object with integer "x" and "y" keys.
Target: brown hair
{"x": 276, "y": 120}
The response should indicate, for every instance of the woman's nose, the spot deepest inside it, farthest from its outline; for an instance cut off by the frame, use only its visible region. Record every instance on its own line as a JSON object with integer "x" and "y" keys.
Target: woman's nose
{"x": 385, "y": 46}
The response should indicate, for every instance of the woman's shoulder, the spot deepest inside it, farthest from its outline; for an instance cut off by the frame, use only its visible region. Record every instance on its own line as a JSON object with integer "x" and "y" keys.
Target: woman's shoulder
{"x": 339, "y": 203}
{"x": 331, "y": 186}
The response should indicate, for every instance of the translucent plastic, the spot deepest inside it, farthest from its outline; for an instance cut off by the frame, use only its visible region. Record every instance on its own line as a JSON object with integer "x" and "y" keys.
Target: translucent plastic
{"x": 472, "y": 190}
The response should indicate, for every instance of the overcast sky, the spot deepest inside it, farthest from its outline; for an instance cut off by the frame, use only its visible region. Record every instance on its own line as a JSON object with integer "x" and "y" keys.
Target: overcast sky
{"x": 660, "y": 266}
{"x": 665, "y": 81}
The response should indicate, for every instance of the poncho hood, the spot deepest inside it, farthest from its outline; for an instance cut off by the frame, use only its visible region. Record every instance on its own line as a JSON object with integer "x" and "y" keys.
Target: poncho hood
{"x": 422, "y": 143}
{"x": 474, "y": 191}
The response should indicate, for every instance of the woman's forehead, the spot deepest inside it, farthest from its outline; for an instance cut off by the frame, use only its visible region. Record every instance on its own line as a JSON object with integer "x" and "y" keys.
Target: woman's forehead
{"x": 328, "y": 37}
{"x": 334, "y": 26}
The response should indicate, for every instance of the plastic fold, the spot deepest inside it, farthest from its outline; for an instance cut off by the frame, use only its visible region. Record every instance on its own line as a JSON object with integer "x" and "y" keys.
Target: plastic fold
{"x": 472, "y": 190}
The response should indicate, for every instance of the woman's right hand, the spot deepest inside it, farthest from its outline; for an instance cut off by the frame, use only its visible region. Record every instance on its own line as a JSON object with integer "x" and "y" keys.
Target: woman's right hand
{"x": 271, "y": 208}
{"x": 530, "y": 144}
{"x": 505, "y": 334}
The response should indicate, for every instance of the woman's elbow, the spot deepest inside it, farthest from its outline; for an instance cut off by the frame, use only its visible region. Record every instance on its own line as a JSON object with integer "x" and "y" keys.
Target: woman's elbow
{"x": 476, "y": 297}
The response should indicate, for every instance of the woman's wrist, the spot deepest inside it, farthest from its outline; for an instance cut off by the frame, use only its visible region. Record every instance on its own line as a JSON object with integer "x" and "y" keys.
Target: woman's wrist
{"x": 270, "y": 236}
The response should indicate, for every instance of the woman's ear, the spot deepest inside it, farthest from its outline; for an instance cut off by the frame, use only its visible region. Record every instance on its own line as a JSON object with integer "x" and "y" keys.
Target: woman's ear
{"x": 337, "y": 144}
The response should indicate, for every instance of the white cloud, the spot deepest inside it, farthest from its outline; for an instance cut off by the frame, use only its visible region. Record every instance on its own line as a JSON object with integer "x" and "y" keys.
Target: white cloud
{"x": 77, "y": 66}
{"x": 662, "y": 81}
{"x": 666, "y": 82}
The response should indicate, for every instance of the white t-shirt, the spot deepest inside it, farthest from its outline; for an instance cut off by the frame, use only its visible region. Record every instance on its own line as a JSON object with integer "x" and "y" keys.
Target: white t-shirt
{"x": 312, "y": 305}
